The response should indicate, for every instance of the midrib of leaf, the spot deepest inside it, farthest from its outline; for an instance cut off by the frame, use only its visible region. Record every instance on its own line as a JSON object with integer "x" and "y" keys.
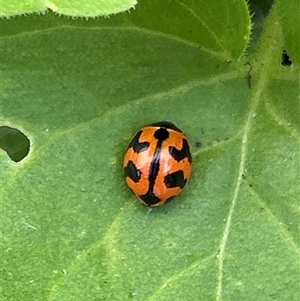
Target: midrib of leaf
{"x": 267, "y": 58}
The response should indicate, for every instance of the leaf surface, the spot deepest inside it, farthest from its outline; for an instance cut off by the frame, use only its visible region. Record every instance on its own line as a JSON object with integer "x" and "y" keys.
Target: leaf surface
{"x": 79, "y": 90}
{"x": 74, "y": 8}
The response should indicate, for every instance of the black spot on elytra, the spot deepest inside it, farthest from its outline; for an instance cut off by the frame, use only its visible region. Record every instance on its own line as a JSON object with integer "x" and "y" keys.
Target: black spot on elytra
{"x": 154, "y": 169}
{"x": 160, "y": 134}
{"x": 136, "y": 145}
{"x": 175, "y": 179}
{"x": 150, "y": 198}
{"x": 180, "y": 154}
{"x": 132, "y": 172}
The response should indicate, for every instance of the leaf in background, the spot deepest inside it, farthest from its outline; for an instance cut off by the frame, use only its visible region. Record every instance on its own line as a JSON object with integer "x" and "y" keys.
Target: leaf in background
{"x": 288, "y": 11}
{"x": 79, "y": 90}
{"x": 219, "y": 28}
{"x": 18, "y": 7}
{"x": 74, "y": 8}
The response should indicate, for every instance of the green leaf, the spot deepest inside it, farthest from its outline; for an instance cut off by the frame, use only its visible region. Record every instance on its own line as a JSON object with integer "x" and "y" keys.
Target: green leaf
{"x": 288, "y": 12}
{"x": 78, "y": 8}
{"x": 79, "y": 90}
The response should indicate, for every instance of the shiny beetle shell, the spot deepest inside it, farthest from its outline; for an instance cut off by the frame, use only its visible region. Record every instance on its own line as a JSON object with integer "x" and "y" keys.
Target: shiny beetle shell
{"x": 157, "y": 163}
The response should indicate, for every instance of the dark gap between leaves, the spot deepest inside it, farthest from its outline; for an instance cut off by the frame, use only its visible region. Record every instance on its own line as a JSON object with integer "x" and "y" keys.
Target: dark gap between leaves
{"x": 285, "y": 59}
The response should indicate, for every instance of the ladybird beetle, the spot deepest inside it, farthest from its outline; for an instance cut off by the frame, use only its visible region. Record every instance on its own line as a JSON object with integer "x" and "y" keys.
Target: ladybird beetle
{"x": 157, "y": 163}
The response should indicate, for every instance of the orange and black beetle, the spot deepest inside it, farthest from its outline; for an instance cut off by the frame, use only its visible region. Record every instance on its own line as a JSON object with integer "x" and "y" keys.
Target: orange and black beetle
{"x": 157, "y": 163}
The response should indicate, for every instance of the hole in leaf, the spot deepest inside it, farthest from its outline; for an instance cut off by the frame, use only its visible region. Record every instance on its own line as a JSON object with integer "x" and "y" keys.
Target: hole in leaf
{"x": 285, "y": 59}
{"x": 14, "y": 143}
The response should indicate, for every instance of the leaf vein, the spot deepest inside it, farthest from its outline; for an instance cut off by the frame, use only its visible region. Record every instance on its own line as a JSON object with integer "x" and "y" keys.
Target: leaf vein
{"x": 282, "y": 121}
{"x": 210, "y": 31}
{"x": 179, "y": 276}
{"x": 288, "y": 238}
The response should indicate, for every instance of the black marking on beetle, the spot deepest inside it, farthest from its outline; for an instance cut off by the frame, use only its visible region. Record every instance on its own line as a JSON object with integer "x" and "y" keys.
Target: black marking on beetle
{"x": 136, "y": 145}
{"x": 150, "y": 198}
{"x": 180, "y": 154}
{"x": 166, "y": 125}
{"x": 161, "y": 134}
{"x": 175, "y": 179}
{"x": 132, "y": 172}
